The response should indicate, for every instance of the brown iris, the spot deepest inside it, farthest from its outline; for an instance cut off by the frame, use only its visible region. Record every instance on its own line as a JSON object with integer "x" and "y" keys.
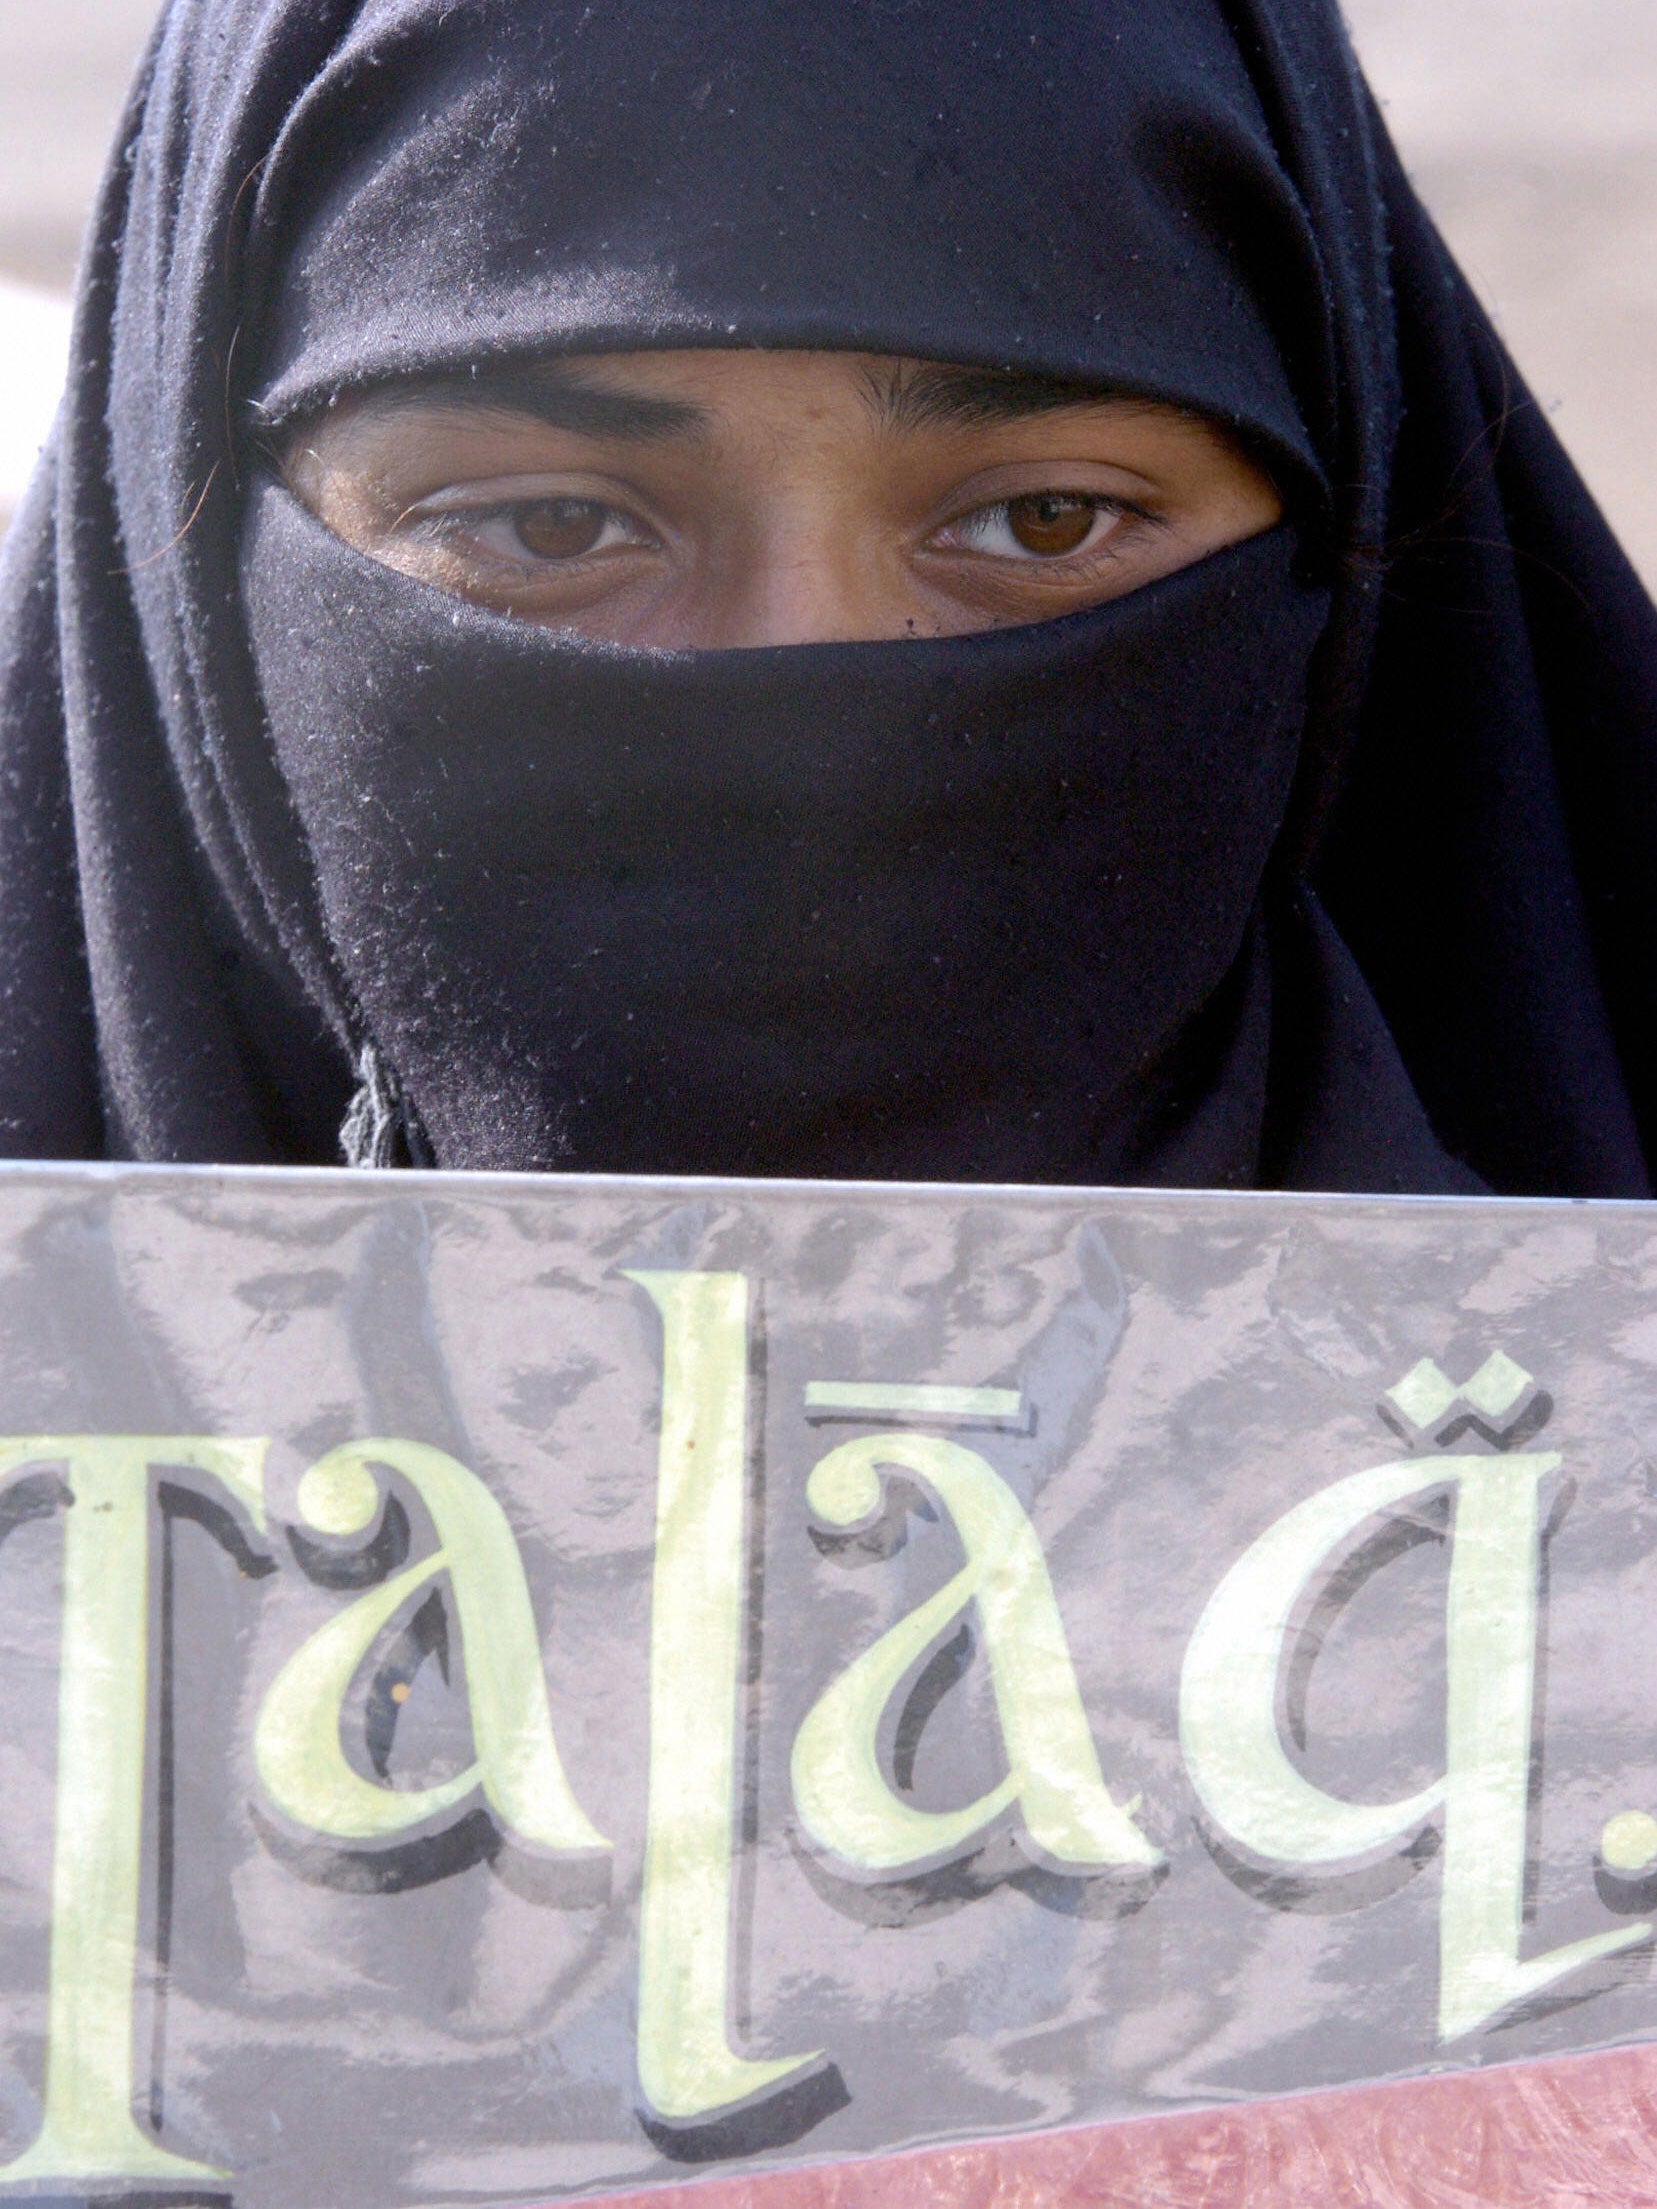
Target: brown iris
{"x": 558, "y": 529}
{"x": 1050, "y": 522}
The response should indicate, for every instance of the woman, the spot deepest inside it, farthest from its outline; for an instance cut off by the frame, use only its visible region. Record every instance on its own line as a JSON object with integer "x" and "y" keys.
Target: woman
{"x": 591, "y": 609}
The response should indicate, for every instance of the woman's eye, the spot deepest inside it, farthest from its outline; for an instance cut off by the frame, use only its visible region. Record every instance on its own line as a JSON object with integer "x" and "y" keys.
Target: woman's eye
{"x": 561, "y": 529}
{"x": 1051, "y": 523}
{"x": 547, "y": 530}
{"x": 1042, "y": 525}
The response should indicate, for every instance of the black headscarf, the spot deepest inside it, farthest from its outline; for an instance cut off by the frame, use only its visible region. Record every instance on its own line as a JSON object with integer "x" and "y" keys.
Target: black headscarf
{"x": 1325, "y": 863}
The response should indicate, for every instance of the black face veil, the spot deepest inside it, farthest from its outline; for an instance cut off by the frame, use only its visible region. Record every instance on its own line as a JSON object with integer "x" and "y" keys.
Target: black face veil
{"x": 1323, "y": 863}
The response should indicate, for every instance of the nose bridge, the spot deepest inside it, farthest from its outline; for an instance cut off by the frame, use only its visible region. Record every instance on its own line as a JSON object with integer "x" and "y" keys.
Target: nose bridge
{"x": 811, "y": 568}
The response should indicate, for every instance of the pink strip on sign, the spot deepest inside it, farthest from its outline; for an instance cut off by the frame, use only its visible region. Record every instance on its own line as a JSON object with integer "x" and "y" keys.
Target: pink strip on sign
{"x": 1576, "y": 2133}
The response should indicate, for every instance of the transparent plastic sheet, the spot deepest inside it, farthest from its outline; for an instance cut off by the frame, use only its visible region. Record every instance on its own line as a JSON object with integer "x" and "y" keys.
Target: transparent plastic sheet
{"x": 521, "y": 1689}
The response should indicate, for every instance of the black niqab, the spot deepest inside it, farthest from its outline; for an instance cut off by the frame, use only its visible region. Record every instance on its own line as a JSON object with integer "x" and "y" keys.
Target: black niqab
{"x": 848, "y": 909}
{"x": 1366, "y": 911}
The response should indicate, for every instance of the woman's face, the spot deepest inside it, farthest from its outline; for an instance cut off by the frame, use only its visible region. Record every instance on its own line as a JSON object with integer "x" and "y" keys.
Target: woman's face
{"x": 717, "y": 499}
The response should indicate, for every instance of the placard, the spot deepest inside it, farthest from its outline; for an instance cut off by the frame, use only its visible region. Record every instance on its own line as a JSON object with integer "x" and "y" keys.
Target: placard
{"x": 521, "y": 1688}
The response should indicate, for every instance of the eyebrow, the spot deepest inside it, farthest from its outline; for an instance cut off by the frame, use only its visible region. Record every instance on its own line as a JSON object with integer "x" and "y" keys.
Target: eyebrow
{"x": 553, "y": 393}
{"x": 941, "y": 395}
{"x": 903, "y": 397}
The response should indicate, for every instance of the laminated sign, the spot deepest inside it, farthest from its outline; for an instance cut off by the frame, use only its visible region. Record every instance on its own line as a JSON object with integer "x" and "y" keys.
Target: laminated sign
{"x": 515, "y": 1689}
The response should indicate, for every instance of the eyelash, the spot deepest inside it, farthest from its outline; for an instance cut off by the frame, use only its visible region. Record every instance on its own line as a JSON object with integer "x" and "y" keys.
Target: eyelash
{"x": 977, "y": 524}
{"x": 457, "y": 524}
{"x": 461, "y": 523}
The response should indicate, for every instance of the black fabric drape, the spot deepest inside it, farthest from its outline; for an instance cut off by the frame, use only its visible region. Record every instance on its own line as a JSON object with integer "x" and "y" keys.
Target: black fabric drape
{"x": 1452, "y": 954}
